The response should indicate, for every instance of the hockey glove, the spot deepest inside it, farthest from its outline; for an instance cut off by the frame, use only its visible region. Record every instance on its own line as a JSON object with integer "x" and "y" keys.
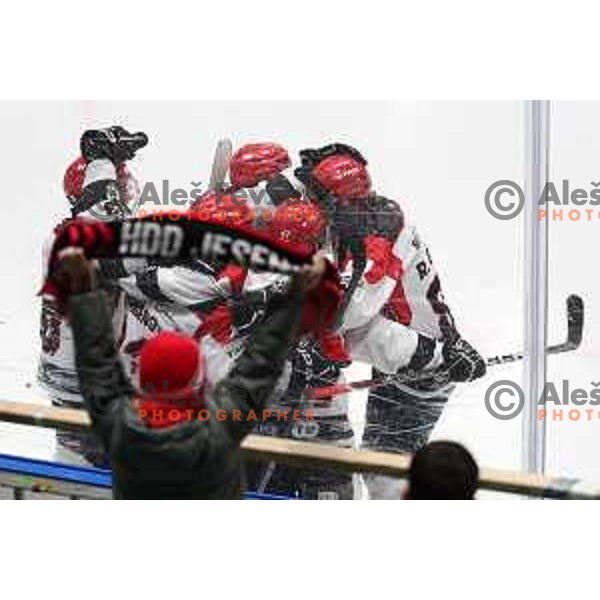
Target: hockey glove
{"x": 113, "y": 143}
{"x": 462, "y": 361}
{"x": 310, "y": 368}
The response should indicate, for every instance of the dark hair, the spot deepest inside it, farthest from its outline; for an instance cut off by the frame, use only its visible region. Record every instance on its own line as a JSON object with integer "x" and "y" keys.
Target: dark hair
{"x": 443, "y": 471}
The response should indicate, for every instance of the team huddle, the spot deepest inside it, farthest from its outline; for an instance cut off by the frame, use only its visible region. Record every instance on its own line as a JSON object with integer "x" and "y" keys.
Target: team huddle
{"x": 392, "y": 314}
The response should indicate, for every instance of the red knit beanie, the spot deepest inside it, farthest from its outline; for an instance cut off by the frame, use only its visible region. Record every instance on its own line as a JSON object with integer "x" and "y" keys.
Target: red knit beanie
{"x": 170, "y": 376}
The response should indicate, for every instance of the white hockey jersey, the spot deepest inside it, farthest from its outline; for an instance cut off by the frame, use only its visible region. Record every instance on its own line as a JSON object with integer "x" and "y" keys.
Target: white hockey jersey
{"x": 169, "y": 298}
{"x": 57, "y": 374}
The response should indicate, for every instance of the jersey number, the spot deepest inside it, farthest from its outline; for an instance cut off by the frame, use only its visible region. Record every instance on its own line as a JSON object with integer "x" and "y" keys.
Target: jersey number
{"x": 435, "y": 297}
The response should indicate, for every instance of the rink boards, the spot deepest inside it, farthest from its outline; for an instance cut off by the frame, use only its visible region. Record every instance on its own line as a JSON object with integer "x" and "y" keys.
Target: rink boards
{"x": 23, "y": 475}
{"x": 28, "y": 473}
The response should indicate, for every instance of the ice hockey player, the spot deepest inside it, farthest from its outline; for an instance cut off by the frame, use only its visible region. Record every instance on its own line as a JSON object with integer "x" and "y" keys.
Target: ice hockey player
{"x": 160, "y": 446}
{"x": 315, "y": 362}
{"x": 98, "y": 185}
{"x": 260, "y": 193}
{"x": 190, "y": 296}
{"x": 256, "y": 186}
{"x": 203, "y": 300}
{"x": 394, "y": 316}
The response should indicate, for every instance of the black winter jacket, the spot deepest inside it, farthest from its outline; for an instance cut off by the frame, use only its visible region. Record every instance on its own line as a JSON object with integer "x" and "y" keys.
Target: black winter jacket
{"x": 194, "y": 459}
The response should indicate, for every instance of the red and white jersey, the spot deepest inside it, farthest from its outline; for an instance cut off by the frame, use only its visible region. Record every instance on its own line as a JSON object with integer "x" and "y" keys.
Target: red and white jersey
{"x": 57, "y": 374}
{"x": 398, "y": 298}
{"x": 145, "y": 299}
{"x": 170, "y": 298}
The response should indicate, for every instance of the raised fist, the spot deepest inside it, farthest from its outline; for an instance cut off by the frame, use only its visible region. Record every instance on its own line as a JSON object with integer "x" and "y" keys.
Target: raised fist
{"x": 75, "y": 273}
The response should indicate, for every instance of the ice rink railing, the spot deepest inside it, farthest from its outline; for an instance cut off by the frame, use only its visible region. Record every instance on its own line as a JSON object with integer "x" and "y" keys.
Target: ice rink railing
{"x": 323, "y": 455}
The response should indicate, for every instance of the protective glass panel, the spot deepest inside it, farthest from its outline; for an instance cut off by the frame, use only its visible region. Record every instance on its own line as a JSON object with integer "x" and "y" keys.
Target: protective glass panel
{"x": 572, "y": 411}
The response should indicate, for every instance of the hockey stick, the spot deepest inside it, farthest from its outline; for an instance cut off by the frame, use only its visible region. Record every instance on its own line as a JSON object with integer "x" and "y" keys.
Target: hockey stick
{"x": 220, "y": 165}
{"x": 575, "y": 322}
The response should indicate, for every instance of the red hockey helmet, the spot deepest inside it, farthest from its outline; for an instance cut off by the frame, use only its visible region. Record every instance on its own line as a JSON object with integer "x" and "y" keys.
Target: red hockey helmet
{"x": 253, "y": 163}
{"x": 297, "y": 222}
{"x": 73, "y": 180}
{"x": 343, "y": 176}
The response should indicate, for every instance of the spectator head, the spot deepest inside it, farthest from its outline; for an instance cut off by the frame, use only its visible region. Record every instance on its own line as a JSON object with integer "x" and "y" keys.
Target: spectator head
{"x": 171, "y": 379}
{"x": 443, "y": 471}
